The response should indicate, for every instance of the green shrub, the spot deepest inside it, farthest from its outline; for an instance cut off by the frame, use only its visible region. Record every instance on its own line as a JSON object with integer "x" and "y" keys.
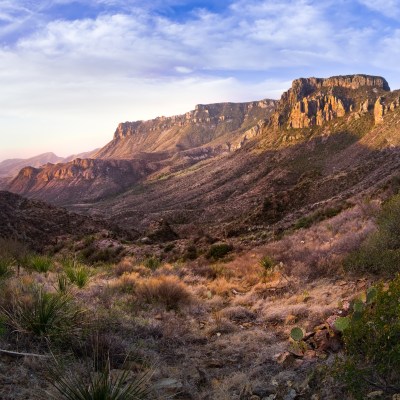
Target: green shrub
{"x": 39, "y": 263}
{"x": 219, "y": 250}
{"x": 152, "y": 263}
{"x": 6, "y": 264}
{"x": 79, "y": 275}
{"x": 34, "y": 311}
{"x": 380, "y": 253}
{"x": 372, "y": 342}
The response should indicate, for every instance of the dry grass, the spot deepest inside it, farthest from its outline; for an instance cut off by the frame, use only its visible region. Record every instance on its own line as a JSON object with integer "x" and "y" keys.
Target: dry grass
{"x": 166, "y": 290}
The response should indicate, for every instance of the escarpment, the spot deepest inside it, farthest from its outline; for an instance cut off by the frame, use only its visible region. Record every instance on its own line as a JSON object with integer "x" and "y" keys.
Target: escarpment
{"x": 314, "y": 101}
{"x": 221, "y": 125}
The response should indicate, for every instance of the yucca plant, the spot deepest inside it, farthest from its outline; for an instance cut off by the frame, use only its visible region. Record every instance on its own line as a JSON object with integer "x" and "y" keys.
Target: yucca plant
{"x": 79, "y": 275}
{"x": 103, "y": 384}
{"x": 49, "y": 315}
{"x": 39, "y": 263}
{"x": 62, "y": 283}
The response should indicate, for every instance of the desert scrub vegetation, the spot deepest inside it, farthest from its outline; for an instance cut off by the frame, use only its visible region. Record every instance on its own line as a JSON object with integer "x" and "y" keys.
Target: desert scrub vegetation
{"x": 30, "y": 310}
{"x": 218, "y": 251}
{"x": 98, "y": 382}
{"x": 168, "y": 291}
{"x": 39, "y": 263}
{"x": 380, "y": 252}
{"x": 372, "y": 348}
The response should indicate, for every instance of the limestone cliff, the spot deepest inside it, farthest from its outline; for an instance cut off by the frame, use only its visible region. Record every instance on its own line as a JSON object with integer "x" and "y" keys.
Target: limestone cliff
{"x": 314, "y": 101}
{"x": 221, "y": 125}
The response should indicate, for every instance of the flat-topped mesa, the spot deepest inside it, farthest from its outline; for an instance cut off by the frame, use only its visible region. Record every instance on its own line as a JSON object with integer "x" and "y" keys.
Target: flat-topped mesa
{"x": 314, "y": 101}
{"x": 202, "y": 114}
{"x": 212, "y": 125}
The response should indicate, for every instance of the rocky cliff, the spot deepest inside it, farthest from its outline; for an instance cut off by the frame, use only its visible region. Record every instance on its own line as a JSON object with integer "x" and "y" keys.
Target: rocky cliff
{"x": 314, "y": 101}
{"x": 78, "y": 180}
{"x": 221, "y": 125}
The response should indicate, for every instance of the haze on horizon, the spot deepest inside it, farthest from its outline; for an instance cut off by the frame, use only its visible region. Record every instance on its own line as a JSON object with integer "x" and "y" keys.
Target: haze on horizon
{"x": 71, "y": 70}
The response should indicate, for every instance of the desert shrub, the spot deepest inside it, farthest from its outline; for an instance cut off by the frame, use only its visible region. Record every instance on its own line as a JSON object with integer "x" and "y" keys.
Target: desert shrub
{"x": 31, "y": 310}
{"x": 320, "y": 215}
{"x": 152, "y": 263}
{"x": 191, "y": 253}
{"x": 380, "y": 252}
{"x": 6, "y": 264}
{"x": 79, "y": 275}
{"x": 62, "y": 283}
{"x": 219, "y": 250}
{"x": 39, "y": 263}
{"x": 166, "y": 290}
{"x": 10, "y": 248}
{"x": 372, "y": 342}
{"x": 92, "y": 254}
{"x": 93, "y": 383}
{"x": 123, "y": 267}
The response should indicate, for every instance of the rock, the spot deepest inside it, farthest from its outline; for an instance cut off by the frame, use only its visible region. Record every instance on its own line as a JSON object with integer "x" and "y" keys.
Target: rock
{"x": 375, "y": 394}
{"x": 290, "y": 395}
{"x": 379, "y": 111}
{"x": 254, "y": 397}
{"x": 264, "y": 391}
{"x": 314, "y": 101}
{"x": 161, "y": 231}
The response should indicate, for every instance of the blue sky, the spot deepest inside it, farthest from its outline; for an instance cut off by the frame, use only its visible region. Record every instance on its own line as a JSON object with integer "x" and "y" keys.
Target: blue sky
{"x": 71, "y": 70}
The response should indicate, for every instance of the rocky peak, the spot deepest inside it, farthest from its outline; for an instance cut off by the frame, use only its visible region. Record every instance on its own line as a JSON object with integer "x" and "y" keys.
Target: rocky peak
{"x": 313, "y": 101}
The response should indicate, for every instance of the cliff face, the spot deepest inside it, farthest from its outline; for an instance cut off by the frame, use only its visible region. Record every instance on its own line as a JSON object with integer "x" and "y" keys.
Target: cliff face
{"x": 78, "y": 180}
{"x": 221, "y": 125}
{"x": 314, "y": 101}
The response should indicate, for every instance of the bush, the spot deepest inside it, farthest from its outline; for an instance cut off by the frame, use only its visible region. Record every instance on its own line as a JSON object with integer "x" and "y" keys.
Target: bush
{"x": 98, "y": 384}
{"x": 318, "y": 216}
{"x": 79, "y": 275}
{"x": 166, "y": 290}
{"x": 372, "y": 342}
{"x": 6, "y": 264}
{"x": 49, "y": 315}
{"x": 219, "y": 250}
{"x": 380, "y": 253}
{"x": 39, "y": 263}
{"x": 152, "y": 263}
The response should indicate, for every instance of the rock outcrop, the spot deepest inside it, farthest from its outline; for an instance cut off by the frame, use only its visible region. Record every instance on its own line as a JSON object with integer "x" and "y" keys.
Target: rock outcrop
{"x": 314, "y": 101}
{"x": 383, "y": 106}
{"x": 212, "y": 125}
{"x": 78, "y": 180}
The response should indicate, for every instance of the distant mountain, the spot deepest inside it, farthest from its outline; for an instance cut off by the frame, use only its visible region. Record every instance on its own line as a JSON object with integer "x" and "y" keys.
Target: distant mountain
{"x": 11, "y": 167}
{"x": 158, "y": 146}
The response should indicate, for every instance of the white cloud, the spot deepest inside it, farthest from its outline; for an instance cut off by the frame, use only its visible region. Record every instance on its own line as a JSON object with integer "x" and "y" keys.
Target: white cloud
{"x": 389, "y": 8}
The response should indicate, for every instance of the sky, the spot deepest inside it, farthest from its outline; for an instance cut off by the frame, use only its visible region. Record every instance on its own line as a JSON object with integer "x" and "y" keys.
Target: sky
{"x": 71, "y": 70}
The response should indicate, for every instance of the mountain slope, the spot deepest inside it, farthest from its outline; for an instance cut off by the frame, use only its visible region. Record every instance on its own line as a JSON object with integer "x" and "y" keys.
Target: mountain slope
{"x": 40, "y": 225}
{"x": 214, "y": 125}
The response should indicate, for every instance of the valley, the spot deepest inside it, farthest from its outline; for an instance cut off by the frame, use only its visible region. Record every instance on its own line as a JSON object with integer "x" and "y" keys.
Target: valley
{"x": 191, "y": 250}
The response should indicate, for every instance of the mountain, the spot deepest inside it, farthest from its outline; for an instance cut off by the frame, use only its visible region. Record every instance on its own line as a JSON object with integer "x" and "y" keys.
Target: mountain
{"x": 222, "y": 125}
{"x": 161, "y": 145}
{"x": 327, "y": 144}
{"x": 40, "y": 225}
{"x": 10, "y": 168}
